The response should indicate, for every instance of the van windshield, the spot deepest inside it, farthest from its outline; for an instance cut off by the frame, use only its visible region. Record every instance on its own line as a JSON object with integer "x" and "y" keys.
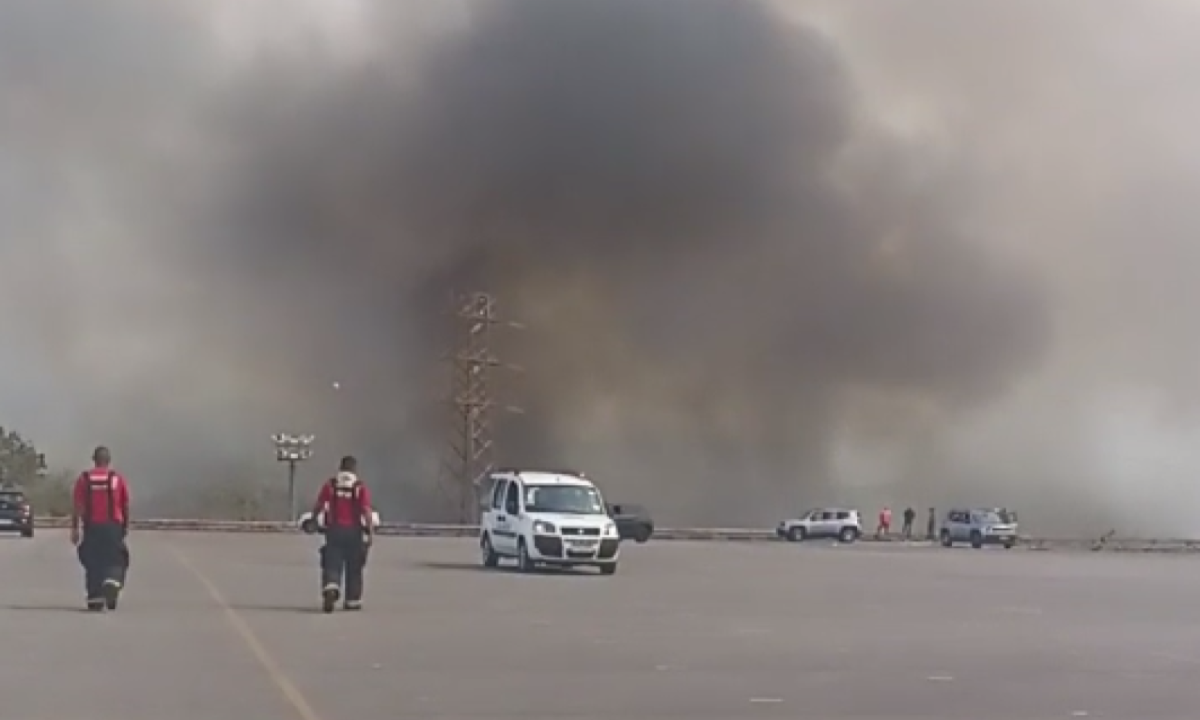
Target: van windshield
{"x": 564, "y": 499}
{"x": 990, "y": 516}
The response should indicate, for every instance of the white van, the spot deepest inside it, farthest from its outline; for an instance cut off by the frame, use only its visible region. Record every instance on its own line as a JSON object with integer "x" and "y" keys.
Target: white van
{"x": 546, "y": 518}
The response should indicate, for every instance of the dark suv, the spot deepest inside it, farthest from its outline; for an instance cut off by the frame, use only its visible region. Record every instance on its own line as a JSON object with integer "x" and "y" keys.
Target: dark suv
{"x": 633, "y": 521}
{"x": 15, "y": 513}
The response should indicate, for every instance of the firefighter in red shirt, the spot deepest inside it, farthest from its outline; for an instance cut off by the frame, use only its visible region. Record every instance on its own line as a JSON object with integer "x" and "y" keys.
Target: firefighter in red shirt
{"x": 345, "y": 505}
{"x": 99, "y": 523}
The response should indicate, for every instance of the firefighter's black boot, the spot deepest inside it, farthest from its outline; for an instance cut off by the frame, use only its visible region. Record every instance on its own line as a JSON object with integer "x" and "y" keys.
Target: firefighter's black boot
{"x": 112, "y": 593}
{"x": 95, "y": 604}
{"x": 330, "y": 596}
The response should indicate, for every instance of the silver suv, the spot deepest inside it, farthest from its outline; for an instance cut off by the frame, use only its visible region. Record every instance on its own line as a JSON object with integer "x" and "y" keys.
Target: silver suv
{"x": 980, "y": 526}
{"x": 840, "y": 523}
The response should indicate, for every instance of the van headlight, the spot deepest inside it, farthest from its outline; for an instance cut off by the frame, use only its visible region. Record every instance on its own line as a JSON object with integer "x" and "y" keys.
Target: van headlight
{"x": 610, "y": 530}
{"x": 544, "y": 528}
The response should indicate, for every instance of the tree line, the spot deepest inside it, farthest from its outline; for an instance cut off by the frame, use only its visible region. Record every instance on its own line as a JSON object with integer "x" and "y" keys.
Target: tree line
{"x": 24, "y": 467}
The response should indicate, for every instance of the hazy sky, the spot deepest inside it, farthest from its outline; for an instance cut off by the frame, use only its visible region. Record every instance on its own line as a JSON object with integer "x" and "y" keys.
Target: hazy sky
{"x": 769, "y": 255}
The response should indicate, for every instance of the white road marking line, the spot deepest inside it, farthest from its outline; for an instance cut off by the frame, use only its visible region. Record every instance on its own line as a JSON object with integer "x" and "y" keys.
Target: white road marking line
{"x": 297, "y": 700}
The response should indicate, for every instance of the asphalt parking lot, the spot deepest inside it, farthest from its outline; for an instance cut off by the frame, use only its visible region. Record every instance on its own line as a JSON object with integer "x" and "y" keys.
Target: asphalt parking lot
{"x": 226, "y": 626}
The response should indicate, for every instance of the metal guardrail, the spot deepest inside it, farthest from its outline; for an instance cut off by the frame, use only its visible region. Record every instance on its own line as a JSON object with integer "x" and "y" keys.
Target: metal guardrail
{"x": 1107, "y": 544}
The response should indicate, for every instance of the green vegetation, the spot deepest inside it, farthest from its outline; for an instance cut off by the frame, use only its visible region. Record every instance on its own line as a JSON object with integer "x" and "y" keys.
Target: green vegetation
{"x": 237, "y": 496}
{"x": 20, "y": 461}
{"x": 236, "y": 499}
{"x": 51, "y": 494}
{"x": 23, "y": 466}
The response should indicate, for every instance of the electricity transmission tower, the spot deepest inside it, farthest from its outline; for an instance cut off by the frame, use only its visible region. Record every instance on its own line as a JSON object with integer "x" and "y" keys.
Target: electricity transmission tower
{"x": 471, "y": 452}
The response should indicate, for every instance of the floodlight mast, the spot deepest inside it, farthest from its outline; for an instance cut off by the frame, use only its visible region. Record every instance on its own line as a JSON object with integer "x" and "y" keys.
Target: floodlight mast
{"x": 293, "y": 450}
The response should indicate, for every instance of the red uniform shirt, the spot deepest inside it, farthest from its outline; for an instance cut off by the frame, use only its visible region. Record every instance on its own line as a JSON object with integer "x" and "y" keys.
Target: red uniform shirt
{"x": 94, "y": 485}
{"x": 340, "y": 505}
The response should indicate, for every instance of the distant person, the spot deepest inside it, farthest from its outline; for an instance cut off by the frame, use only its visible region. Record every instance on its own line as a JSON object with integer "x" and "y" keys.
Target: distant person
{"x": 885, "y": 523}
{"x": 931, "y": 528}
{"x": 910, "y": 517}
{"x": 345, "y": 505}
{"x": 99, "y": 524}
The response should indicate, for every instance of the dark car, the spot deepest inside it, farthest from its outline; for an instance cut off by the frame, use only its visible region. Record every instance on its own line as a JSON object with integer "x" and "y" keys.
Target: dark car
{"x": 633, "y": 522}
{"x": 15, "y": 513}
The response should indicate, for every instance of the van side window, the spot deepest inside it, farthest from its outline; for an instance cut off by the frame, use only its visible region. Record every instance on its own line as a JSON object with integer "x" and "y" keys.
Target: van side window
{"x": 512, "y": 502}
{"x": 498, "y": 494}
{"x": 843, "y": 515}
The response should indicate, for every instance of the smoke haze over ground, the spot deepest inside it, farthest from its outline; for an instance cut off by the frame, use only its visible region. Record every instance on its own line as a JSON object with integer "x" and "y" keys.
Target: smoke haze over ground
{"x": 769, "y": 256}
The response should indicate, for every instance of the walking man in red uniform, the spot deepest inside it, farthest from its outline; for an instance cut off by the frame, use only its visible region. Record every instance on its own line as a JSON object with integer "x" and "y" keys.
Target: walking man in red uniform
{"x": 99, "y": 523}
{"x": 345, "y": 504}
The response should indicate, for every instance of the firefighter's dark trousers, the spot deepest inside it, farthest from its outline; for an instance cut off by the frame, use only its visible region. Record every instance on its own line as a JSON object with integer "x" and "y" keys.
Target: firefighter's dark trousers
{"x": 104, "y": 556}
{"x": 343, "y": 557}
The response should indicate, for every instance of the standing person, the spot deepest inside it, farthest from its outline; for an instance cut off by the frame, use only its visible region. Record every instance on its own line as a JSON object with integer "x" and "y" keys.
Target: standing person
{"x": 99, "y": 524}
{"x": 910, "y": 517}
{"x": 931, "y": 528}
{"x": 345, "y": 504}
{"x": 885, "y": 523}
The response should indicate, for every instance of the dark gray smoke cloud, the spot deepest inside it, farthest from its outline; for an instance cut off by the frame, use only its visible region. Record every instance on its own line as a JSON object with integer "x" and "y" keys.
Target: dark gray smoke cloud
{"x": 746, "y": 288}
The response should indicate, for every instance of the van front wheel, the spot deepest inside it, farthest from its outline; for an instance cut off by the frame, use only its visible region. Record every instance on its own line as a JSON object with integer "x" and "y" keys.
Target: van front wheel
{"x": 524, "y": 562}
{"x": 487, "y": 553}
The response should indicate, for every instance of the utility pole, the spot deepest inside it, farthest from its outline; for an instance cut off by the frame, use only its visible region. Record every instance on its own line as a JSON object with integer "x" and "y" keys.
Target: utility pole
{"x": 471, "y": 451}
{"x": 292, "y": 449}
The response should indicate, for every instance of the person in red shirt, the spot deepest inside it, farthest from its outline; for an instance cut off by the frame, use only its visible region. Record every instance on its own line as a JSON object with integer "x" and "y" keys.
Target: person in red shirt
{"x": 885, "y": 523}
{"x": 99, "y": 524}
{"x": 345, "y": 505}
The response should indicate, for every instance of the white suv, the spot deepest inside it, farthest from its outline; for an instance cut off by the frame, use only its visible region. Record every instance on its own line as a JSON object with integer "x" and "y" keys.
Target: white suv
{"x": 840, "y": 523}
{"x": 546, "y": 518}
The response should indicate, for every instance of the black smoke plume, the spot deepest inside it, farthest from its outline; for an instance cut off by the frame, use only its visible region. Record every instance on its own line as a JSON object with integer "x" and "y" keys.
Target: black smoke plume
{"x": 724, "y": 271}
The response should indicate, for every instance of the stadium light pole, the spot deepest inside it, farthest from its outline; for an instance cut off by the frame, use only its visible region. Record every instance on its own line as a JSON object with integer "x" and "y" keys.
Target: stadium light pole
{"x": 292, "y": 449}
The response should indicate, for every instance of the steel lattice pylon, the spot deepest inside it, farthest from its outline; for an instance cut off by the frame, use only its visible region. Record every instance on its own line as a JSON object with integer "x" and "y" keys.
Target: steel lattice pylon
{"x": 471, "y": 451}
